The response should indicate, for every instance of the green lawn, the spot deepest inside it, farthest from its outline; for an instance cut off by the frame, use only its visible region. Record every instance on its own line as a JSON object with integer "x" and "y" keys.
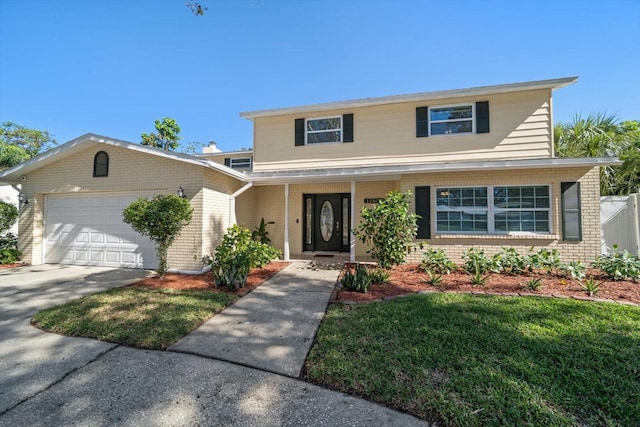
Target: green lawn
{"x": 137, "y": 317}
{"x": 481, "y": 360}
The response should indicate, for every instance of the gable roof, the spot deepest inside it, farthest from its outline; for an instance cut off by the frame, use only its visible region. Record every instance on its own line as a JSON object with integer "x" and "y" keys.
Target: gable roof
{"x": 424, "y": 96}
{"x": 14, "y": 174}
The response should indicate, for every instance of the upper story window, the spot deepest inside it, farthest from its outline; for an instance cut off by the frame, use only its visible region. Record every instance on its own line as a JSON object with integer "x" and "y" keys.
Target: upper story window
{"x": 323, "y": 130}
{"x": 240, "y": 163}
{"x": 101, "y": 164}
{"x": 451, "y": 119}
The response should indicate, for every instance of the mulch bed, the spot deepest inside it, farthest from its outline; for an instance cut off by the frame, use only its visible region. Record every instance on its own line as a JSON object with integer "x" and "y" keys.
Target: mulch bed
{"x": 409, "y": 278}
{"x": 14, "y": 265}
{"x": 204, "y": 281}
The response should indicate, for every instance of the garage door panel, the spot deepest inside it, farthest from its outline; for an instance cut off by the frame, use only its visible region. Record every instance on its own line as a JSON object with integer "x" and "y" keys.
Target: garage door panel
{"x": 88, "y": 230}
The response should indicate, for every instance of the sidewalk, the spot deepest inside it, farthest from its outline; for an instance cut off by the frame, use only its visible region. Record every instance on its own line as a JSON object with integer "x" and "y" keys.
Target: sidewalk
{"x": 273, "y": 327}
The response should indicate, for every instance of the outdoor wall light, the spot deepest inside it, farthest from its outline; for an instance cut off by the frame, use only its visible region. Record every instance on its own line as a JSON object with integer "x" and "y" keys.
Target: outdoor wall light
{"x": 181, "y": 193}
{"x": 22, "y": 199}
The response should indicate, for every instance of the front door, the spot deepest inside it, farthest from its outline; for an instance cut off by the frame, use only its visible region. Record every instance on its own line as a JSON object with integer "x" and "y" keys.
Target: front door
{"x": 326, "y": 222}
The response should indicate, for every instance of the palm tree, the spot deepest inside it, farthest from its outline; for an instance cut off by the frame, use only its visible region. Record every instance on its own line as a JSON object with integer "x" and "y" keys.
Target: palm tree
{"x": 597, "y": 135}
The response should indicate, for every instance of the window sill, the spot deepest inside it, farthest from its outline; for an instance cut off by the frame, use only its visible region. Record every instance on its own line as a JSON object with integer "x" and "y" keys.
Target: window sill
{"x": 499, "y": 236}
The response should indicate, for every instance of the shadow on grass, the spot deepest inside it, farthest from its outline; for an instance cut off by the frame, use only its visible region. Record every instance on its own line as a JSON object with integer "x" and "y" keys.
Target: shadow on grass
{"x": 479, "y": 360}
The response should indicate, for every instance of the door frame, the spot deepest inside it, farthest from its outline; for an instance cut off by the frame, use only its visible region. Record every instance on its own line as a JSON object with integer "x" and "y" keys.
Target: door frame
{"x": 308, "y": 214}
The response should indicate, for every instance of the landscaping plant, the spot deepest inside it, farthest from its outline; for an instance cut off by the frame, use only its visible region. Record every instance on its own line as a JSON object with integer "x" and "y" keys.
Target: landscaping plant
{"x": 9, "y": 252}
{"x": 619, "y": 265}
{"x": 260, "y": 233}
{"x": 388, "y": 229}
{"x": 433, "y": 278}
{"x": 544, "y": 259}
{"x": 534, "y": 284}
{"x": 161, "y": 219}
{"x": 436, "y": 261}
{"x": 478, "y": 265}
{"x": 379, "y": 276}
{"x": 575, "y": 269}
{"x": 590, "y": 286}
{"x": 360, "y": 281}
{"x": 509, "y": 261}
{"x": 237, "y": 254}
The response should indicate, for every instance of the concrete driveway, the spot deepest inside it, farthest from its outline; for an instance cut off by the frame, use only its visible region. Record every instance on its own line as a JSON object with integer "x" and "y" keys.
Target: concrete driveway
{"x": 50, "y": 380}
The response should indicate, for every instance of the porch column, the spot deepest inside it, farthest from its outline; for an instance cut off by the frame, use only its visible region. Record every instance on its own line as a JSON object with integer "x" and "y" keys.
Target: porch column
{"x": 352, "y": 225}
{"x": 286, "y": 222}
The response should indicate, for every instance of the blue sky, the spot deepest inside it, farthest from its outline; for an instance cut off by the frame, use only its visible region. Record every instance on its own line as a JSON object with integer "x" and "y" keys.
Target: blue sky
{"x": 114, "y": 66}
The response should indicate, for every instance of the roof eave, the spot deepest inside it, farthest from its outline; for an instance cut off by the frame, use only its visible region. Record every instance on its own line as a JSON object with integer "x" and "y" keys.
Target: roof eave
{"x": 424, "y": 96}
{"x": 395, "y": 171}
{"x": 12, "y": 175}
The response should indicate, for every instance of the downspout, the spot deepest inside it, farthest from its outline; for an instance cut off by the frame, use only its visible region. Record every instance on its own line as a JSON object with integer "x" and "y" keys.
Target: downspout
{"x": 352, "y": 224}
{"x": 286, "y": 222}
{"x": 232, "y": 203}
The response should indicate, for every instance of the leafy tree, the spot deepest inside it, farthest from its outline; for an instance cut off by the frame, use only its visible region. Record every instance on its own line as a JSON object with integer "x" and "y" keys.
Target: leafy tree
{"x": 166, "y": 137}
{"x": 196, "y": 8}
{"x": 161, "y": 219}
{"x": 388, "y": 228}
{"x": 601, "y": 135}
{"x": 19, "y": 143}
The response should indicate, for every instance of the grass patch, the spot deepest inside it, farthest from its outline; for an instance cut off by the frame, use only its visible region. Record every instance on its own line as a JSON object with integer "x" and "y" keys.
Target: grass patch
{"x": 465, "y": 360}
{"x": 136, "y": 317}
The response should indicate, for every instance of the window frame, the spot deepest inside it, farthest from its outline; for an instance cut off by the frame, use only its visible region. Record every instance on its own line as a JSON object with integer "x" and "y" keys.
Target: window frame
{"x": 340, "y": 130}
{"x": 106, "y": 165}
{"x": 491, "y": 211}
{"x": 234, "y": 160}
{"x": 472, "y": 119}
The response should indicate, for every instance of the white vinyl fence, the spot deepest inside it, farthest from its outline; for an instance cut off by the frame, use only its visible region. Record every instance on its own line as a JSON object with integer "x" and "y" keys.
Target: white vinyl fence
{"x": 620, "y": 224}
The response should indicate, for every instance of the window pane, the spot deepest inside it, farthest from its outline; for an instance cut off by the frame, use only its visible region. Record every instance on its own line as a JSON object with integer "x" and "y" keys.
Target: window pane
{"x": 446, "y": 128}
{"x": 345, "y": 221}
{"x": 451, "y": 113}
{"x": 320, "y": 137}
{"x": 323, "y": 124}
{"x": 309, "y": 220}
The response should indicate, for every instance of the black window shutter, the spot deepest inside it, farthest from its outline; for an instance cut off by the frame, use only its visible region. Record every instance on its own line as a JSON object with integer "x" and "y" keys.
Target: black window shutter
{"x": 571, "y": 215}
{"x": 299, "y": 132}
{"x": 422, "y": 122}
{"x": 423, "y": 208}
{"x": 227, "y": 161}
{"x": 347, "y": 128}
{"x": 482, "y": 117}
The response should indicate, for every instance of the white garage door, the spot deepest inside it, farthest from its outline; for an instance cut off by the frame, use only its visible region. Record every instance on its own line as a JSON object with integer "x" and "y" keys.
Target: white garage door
{"x": 88, "y": 230}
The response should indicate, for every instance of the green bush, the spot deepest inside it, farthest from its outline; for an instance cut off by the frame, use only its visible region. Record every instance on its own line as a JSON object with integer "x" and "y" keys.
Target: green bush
{"x": 9, "y": 252}
{"x": 8, "y": 216}
{"x": 619, "y": 265}
{"x": 475, "y": 261}
{"x": 509, "y": 261}
{"x": 544, "y": 259}
{"x": 360, "y": 281}
{"x": 237, "y": 254}
{"x": 575, "y": 269}
{"x": 161, "y": 219}
{"x": 388, "y": 229}
{"x": 436, "y": 261}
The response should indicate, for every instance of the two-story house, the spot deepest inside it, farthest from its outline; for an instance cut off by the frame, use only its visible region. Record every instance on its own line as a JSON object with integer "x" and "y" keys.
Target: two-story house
{"x": 479, "y": 163}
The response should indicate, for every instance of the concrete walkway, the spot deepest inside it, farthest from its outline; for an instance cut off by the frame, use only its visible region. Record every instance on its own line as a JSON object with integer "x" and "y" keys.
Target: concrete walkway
{"x": 273, "y": 327}
{"x": 51, "y": 380}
